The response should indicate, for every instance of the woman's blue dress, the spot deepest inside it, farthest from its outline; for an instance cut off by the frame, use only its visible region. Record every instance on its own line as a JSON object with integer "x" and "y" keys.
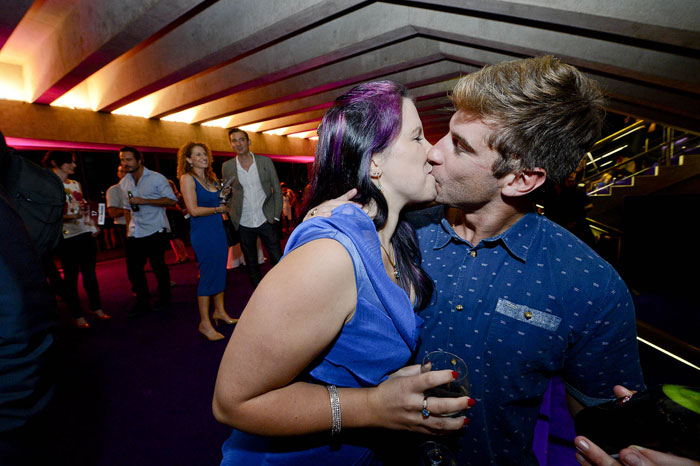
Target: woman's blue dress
{"x": 209, "y": 242}
{"x": 378, "y": 340}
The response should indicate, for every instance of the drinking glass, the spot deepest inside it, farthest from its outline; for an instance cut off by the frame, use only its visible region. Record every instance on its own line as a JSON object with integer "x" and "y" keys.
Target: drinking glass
{"x": 223, "y": 198}
{"x": 442, "y": 360}
{"x": 436, "y": 454}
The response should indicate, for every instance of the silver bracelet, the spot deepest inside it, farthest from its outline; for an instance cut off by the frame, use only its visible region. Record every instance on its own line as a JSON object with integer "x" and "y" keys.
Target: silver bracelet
{"x": 335, "y": 409}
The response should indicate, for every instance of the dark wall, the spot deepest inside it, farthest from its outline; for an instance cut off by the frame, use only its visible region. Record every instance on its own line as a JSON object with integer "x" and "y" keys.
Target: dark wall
{"x": 661, "y": 250}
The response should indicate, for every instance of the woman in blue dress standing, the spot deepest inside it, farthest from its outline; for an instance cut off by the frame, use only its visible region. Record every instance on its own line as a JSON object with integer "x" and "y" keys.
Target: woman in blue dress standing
{"x": 200, "y": 189}
{"x": 320, "y": 347}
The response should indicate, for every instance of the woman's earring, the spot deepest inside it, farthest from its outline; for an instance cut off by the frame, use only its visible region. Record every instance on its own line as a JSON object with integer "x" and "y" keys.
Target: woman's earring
{"x": 376, "y": 173}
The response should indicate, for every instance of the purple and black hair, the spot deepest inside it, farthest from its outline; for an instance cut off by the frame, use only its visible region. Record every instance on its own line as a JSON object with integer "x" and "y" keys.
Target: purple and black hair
{"x": 361, "y": 123}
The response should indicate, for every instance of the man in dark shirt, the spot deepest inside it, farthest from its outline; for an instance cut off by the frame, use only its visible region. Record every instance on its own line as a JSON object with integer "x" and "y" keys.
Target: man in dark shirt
{"x": 518, "y": 297}
{"x": 28, "y": 319}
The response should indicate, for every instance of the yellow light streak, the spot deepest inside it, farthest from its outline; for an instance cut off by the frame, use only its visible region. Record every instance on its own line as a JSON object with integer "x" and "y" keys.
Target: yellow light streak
{"x": 12, "y": 85}
{"x": 276, "y": 132}
{"x": 141, "y": 108}
{"x": 668, "y": 353}
{"x": 185, "y": 116}
{"x": 254, "y": 127}
{"x": 303, "y": 135}
{"x": 220, "y": 122}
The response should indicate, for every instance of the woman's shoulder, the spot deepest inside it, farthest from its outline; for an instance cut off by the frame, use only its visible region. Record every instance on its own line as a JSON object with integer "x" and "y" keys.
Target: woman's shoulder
{"x": 349, "y": 227}
{"x": 186, "y": 179}
{"x": 72, "y": 184}
{"x": 347, "y": 219}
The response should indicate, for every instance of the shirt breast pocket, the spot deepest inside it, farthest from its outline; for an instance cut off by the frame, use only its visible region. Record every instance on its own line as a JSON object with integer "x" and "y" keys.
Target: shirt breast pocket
{"x": 524, "y": 340}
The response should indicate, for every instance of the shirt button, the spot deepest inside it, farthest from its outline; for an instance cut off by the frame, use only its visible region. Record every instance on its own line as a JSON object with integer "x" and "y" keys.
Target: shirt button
{"x": 528, "y": 315}
{"x": 472, "y": 253}
{"x": 459, "y": 307}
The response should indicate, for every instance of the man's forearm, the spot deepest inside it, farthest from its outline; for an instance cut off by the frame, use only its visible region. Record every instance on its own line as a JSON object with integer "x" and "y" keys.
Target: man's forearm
{"x": 160, "y": 202}
{"x": 116, "y": 212}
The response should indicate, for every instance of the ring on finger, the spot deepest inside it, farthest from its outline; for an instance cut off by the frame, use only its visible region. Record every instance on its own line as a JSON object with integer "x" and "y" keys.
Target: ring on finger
{"x": 425, "y": 412}
{"x": 313, "y": 212}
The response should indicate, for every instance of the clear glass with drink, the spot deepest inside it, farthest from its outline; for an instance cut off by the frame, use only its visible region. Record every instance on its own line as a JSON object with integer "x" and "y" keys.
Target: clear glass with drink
{"x": 442, "y": 360}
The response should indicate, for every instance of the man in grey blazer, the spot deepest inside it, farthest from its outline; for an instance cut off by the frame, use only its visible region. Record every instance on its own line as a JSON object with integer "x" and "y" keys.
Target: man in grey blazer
{"x": 256, "y": 203}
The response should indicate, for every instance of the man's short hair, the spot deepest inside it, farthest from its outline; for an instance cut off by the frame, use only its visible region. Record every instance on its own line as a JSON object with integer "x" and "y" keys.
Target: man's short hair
{"x": 237, "y": 130}
{"x": 133, "y": 150}
{"x": 544, "y": 113}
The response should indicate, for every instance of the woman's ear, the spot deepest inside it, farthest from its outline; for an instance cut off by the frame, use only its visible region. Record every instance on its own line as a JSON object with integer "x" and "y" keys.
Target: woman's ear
{"x": 374, "y": 170}
{"x": 524, "y": 182}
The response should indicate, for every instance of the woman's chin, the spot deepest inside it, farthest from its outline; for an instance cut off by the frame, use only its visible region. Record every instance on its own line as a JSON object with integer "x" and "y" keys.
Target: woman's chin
{"x": 426, "y": 199}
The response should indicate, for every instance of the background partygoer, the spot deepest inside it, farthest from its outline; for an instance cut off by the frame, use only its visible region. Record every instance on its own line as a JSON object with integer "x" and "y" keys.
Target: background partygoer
{"x": 78, "y": 248}
{"x": 200, "y": 188}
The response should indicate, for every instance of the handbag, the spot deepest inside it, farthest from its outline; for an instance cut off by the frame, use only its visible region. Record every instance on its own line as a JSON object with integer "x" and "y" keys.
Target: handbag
{"x": 232, "y": 235}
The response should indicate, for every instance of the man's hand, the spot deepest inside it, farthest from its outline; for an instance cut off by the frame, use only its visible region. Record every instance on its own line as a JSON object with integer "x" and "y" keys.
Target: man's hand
{"x": 137, "y": 200}
{"x": 324, "y": 210}
{"x": 589, "y": 454}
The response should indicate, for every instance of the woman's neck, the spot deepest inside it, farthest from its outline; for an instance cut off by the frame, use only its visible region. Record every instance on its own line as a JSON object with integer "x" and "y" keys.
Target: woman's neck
{"x": 387, "y": 231}
{"x": 201, "y": 175}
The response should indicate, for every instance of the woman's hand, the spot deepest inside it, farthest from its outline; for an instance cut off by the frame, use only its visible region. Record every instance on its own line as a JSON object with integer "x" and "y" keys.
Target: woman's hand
{"x": 397, "y": 403}
{"x": 324, "y": 210}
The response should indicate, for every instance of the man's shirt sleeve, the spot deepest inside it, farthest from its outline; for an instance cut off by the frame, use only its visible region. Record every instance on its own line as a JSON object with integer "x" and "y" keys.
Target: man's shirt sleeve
{"x": 604, "y": 352}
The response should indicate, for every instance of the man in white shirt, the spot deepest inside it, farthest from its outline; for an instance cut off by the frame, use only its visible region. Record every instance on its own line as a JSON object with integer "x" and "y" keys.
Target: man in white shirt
{"x": 117, "y": 206}
{"x": 147, "y": 194}
{"x": 256, "y": 203}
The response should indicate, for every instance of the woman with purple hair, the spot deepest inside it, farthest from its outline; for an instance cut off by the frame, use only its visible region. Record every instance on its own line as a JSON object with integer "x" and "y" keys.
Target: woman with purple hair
{"x": 318, "y": 348}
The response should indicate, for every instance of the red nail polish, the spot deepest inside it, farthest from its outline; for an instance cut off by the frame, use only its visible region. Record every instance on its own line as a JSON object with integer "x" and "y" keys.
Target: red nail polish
{"x": 455, "y": 375}
{"x": 466, "y": 421}
{"x": 471, "y": 402}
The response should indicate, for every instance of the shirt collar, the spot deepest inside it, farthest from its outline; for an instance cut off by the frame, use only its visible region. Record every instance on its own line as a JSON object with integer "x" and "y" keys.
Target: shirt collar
{"x": 145, "y": 173}
{"x": 517, "y": 240}
{"x": 238, "y": 163}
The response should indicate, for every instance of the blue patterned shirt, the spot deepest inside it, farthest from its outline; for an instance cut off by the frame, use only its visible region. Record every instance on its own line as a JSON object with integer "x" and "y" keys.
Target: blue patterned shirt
{"x": 520, "y": 307}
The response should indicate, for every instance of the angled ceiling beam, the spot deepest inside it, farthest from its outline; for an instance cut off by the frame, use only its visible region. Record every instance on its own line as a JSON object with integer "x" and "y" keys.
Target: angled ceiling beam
{"x": 486, "y": 33}
{"x": 623, "y": 60}
{"x": 391, "y": 59}
{"x": 259, "y": 69}
{"x": 225, "y": 30}
{"x": 672, "y": 23}
{"x": 292, "y": 120}
{"x": 439, "y": 71}
{"x": 12, "y": 13}
{"x": 91, "y": 36}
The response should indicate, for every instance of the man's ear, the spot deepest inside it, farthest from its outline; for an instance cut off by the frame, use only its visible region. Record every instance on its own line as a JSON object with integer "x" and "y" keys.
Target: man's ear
{"x": 524, "y": 182}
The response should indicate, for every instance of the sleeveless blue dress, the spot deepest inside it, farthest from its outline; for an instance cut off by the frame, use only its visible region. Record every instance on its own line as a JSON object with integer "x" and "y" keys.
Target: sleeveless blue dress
{"x": 209, "y": 242}
{"x": 378, "y": 340}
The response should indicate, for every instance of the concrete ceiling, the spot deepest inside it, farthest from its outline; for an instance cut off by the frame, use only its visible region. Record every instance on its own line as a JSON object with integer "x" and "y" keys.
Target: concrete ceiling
{"x": 278, "y": 64}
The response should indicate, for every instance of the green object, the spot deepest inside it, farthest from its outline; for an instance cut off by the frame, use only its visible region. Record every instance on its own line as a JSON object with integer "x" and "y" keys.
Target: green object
{"x": 684, "y": 396}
